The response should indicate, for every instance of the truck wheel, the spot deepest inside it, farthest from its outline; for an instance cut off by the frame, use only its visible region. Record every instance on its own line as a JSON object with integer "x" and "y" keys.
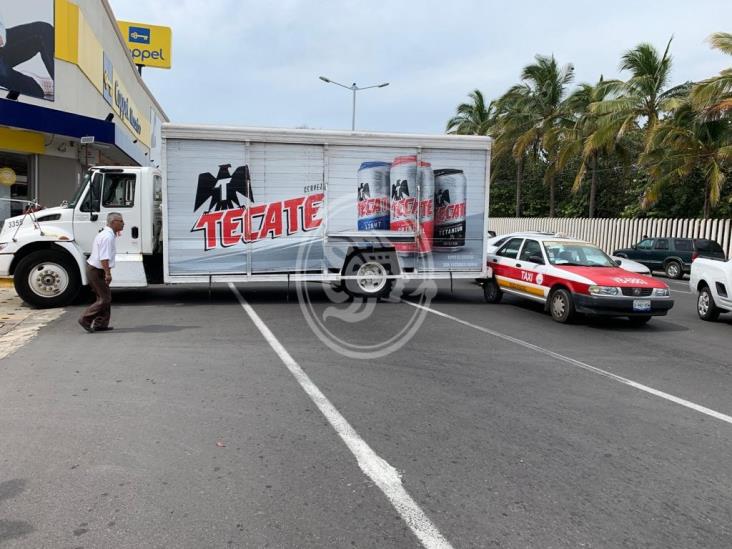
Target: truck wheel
{"x": 673, "y": 270}
{"x": 705, "y": 305}
{"x": 371, "y": 278}
{"x": 47, "y": 278}
{"x": 491, "y": 292}
{"x": 561, "y": 306}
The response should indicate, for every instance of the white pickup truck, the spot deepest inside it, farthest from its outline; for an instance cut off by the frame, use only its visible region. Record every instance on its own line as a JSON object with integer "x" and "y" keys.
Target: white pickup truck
{"x": 712, "y": 279}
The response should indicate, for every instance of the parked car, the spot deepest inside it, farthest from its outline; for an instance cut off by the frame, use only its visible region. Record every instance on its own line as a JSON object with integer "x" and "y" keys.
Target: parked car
{"x": 711, "y": 279}
{"x": 571, "y": 276}
{"x": 672, "y": 255}
{"x": 623, "y": 262}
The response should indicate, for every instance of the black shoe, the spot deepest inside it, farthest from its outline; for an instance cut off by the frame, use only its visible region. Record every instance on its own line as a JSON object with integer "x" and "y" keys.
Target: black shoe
{"x": 103, "y": 328}
{"x": 86, "y": 326}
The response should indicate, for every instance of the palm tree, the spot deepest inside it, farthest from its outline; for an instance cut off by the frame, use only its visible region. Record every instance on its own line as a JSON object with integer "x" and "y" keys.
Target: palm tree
{"x": 528, "y": 112}
{"x": 474, "y": 118}
{"x": 713, "y": 96}
{"x": 643, "y": 97}
{"x": 577, "y": 135}
{"x": 683, "y": 143}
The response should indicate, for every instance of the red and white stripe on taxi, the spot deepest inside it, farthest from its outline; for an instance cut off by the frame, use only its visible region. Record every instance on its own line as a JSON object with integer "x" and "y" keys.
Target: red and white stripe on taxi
{"x": 537, "y": 281}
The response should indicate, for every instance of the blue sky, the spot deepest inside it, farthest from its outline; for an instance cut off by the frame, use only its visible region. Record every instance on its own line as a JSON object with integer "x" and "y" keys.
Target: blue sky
{"x": 257, "y": 63}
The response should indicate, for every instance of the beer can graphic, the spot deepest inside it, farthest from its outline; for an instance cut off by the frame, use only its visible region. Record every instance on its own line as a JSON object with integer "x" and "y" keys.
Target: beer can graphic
{"x": 408, "y": 205}
{"x": 450, "y": 210}
{"x": 373, "y": 196}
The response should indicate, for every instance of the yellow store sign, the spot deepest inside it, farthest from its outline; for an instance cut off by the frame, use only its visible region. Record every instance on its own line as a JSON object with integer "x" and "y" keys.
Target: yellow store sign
{"x": 150, "y": 45}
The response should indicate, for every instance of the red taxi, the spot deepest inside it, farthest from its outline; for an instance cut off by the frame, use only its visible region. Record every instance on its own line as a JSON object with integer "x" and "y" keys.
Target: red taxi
{"x": 571, "y": 276}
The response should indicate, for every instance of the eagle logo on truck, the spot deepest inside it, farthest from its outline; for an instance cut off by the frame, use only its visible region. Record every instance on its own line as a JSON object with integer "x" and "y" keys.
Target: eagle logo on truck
{"x": 231, "y": 217}
{"x": 222, "y": 192}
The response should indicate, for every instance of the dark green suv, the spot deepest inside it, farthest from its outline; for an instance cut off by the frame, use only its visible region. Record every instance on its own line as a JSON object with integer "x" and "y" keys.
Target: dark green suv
{"x": 672, "y": 255}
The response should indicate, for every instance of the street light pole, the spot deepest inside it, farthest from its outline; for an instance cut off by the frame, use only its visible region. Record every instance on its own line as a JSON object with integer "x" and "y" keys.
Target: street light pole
{"x": 354, "y": 88}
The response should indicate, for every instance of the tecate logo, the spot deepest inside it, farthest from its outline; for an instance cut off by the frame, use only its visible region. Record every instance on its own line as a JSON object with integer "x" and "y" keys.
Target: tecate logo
{"x": 139, "y": 35}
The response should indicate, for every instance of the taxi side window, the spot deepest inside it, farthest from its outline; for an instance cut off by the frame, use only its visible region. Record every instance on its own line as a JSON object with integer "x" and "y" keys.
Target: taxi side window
{"x": 646, "y": 244}
{"x": 531, "y": 252}
{"x": 511, "y": 248}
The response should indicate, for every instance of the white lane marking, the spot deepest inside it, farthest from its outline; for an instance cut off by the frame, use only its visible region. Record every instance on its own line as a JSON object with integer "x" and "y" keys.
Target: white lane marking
{"x": 645, "y": 388}
{"x": 386, "y": 477}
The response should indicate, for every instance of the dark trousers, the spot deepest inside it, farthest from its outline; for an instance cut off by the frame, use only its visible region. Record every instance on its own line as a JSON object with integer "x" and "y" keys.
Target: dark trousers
{"x": 23, "y": 42}
{"x": 100, "y": 311}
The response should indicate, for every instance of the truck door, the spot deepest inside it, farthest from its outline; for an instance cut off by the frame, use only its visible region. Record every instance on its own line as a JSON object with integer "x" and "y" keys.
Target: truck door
{"x": 115, "y": 191}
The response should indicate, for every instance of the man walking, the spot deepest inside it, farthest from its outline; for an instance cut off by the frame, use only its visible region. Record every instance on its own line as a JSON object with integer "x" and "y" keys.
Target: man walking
{"x": 99, "y": 272}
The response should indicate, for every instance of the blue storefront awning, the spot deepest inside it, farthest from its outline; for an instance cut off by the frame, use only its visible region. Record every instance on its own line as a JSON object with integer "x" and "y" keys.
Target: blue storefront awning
{"x": 41, "y": 119}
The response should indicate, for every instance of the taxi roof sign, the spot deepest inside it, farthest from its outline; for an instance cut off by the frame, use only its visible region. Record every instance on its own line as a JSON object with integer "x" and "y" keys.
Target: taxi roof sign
{"x": 150, "y": 45}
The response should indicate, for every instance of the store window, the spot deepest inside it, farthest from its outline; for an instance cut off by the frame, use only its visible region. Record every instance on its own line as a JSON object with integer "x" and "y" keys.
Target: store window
{"x": 14, "y": 184}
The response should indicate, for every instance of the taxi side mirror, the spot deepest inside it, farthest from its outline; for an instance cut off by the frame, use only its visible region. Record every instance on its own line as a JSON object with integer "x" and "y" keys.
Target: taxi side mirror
{"x": 619, "y": 262}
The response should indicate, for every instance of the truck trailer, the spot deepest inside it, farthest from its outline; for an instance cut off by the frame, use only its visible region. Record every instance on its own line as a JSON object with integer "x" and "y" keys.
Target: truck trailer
{"x": 229, "y": 204}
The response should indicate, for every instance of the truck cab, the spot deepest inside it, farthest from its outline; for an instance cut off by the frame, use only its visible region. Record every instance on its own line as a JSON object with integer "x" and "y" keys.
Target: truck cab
{"x": 46, "y": 250}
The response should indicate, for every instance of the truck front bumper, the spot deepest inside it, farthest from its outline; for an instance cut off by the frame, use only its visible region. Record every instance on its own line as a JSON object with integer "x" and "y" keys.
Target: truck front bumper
{"x": 620, "y": 306}
{"x": 5, "y": 262}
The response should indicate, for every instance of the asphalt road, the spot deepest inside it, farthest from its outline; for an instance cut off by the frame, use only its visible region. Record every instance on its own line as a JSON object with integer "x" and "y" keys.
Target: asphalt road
{"x": 185, "y": 427}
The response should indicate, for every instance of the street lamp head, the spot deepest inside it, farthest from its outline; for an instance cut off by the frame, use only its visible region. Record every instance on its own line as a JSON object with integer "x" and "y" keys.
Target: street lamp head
{"x": 385, "y": 84}
{"x": 324, "y": 79}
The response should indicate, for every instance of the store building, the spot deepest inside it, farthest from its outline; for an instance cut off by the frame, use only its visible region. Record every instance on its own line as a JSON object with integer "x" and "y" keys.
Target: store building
{"x": 70, "y": 97}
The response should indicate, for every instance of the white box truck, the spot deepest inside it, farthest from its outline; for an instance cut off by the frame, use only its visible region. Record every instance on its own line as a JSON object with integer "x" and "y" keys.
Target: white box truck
{"x": 228, "y": 204}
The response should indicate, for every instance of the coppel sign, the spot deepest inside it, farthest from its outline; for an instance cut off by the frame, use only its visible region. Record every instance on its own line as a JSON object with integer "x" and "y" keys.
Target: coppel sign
{"x": 150, "y": 45}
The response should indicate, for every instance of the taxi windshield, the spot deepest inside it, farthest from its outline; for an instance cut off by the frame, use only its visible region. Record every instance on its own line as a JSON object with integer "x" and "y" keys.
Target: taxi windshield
{"x": 576, "y": 254}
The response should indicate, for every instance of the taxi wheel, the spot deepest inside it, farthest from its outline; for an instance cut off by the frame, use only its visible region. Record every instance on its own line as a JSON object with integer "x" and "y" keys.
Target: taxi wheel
{"x": 561, "y": 306}
{"x": 491, "y": 292}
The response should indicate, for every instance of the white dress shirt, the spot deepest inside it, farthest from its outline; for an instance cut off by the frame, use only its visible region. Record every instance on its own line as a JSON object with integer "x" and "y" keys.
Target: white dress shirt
{"x": 103, "y": 248}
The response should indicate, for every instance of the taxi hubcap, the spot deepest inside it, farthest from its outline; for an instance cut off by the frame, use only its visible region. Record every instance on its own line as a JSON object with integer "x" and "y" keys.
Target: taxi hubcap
{"x": 558, "y": 305}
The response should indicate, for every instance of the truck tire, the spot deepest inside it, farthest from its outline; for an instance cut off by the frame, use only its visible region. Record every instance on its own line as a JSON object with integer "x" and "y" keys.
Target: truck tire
{"x": 705, "y": 306}
{"x": 47, "y": 278}
{"x": 561, "y": 306}
{"x": 491, "y": 292}
{"x": 371, "y": 277}
{"x": 674, "y": 270}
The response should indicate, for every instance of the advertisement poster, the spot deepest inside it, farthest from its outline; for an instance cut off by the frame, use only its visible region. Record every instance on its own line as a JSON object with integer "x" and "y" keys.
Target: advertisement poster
{"x": 27, "y": 39}
{"x": 236, "y": 208}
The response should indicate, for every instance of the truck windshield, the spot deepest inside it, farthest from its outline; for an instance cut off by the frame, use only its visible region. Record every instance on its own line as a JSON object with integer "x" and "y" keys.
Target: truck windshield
{"x": 77, "y": 194}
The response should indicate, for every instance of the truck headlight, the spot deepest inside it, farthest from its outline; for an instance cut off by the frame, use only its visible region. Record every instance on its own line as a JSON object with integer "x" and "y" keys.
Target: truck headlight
{"x": 604, "y": 290}
{"x": 661, "y": 292}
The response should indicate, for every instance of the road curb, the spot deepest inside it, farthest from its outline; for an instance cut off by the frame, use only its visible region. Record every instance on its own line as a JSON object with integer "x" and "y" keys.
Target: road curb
{"x": 6, "y": 282}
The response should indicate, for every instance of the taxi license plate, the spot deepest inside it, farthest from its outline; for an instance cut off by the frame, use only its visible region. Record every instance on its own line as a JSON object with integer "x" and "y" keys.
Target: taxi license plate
{"x": 641, "y": 305}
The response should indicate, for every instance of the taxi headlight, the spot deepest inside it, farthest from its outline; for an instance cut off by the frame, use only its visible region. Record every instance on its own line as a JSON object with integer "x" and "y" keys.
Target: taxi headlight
{"x": 661, "y": 292}
{"x": 604, "y": 290}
